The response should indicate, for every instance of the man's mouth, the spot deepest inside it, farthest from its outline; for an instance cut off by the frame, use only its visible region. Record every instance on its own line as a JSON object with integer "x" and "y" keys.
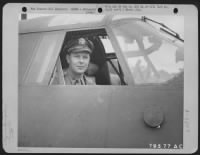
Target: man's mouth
{"x": 81, "y": 67}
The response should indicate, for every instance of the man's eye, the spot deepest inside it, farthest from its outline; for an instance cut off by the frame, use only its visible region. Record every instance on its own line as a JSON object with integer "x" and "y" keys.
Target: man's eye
{"x": 85, "y": 57}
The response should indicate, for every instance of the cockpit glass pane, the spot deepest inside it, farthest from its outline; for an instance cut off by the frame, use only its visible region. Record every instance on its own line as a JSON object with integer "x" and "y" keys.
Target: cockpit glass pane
{"x": 151, "y": 57}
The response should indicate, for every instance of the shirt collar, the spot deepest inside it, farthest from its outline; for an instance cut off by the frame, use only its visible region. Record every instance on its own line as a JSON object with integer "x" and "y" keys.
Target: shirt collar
{"x": 72, "y": 81}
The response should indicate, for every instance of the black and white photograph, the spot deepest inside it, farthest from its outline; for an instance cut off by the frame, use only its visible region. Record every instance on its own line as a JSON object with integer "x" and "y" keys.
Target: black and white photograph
{"x": 101, "y": 81}
{"x": 59, "y": 54}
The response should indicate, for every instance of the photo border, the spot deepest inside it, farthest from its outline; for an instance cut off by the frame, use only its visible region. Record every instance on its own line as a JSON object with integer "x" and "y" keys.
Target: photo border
{"x": 10, "y": 83}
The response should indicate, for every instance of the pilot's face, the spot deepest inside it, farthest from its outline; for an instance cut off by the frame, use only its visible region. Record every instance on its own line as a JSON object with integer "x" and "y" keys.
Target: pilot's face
{"x": 78, "y": 62}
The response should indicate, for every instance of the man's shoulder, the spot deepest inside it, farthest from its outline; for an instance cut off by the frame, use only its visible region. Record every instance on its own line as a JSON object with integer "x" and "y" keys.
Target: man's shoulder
{"x": 90, "y": 80}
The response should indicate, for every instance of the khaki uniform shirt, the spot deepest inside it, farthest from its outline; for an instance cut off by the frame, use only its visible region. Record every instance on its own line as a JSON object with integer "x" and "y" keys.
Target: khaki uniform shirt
{"x": 84, "y": 80}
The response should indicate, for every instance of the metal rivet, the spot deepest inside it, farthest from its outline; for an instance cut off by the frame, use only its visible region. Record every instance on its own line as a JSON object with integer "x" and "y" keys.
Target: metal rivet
{"x": 153, "y": 116}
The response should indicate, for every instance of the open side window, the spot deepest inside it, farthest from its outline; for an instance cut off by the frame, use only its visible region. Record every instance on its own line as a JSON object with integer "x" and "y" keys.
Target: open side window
{"x": 115, "y": 71}
{"x": 102, "y": 65}
{"x": 116, "y": 74}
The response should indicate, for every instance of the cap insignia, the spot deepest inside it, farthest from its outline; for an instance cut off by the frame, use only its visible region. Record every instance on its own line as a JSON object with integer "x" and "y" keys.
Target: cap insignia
{"x": 81, "y": 41}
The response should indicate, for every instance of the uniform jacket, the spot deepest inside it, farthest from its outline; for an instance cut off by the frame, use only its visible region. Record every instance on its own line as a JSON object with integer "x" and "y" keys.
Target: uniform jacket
{"x": 85, "y": 80}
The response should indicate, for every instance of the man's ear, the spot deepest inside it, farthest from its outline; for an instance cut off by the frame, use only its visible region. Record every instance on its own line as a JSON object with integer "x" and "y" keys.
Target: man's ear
{"x": 67, "y": 58}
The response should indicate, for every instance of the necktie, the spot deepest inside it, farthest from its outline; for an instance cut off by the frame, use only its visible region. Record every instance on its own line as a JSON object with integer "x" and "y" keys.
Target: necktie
{"x": 79, "y": 82}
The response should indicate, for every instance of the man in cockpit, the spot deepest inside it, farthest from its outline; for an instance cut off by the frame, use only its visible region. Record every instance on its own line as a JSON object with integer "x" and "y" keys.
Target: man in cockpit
{"x": 77, "y": 55}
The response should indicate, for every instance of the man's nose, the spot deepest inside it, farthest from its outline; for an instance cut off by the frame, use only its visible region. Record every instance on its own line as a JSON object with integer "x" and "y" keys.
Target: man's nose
{"x": 81, "y": 59}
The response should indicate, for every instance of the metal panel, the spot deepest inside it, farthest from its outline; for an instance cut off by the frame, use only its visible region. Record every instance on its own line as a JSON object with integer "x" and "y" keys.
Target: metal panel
{"x": 126, "y": 117}
{"x": 62, "y": 117}
{"x": 48, "y": 24}
{"x": 98, "y": 116}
